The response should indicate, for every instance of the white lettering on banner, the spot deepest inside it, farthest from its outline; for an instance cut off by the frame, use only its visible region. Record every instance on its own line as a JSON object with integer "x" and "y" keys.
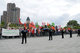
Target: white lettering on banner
{"x": 7, "y": 32}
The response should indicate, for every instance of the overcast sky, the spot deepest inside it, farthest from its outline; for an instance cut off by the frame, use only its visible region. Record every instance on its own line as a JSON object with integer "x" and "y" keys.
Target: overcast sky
{"x": 57, "y": 11}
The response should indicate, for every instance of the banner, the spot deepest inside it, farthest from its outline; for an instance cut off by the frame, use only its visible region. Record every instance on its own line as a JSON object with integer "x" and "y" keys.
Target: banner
{"x": 12, "y": 32}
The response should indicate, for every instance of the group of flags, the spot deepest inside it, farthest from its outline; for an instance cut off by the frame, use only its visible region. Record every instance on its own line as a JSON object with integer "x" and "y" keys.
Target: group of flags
{"x": 32, "y": 25}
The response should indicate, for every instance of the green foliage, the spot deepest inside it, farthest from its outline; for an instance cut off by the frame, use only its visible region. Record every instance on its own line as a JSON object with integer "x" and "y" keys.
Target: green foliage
{"x": 76, "y": 27}
{"x": 12, "y": 25}
{"x": 72, "y": 23}
{"x": 16, "y": 26}
{"x": 2, "y": 24}
{"x": 49, "y": 26}
{"x": 65, "y": 27}
{"x": 53, "y": 24}
{"x": 36, "y": 24}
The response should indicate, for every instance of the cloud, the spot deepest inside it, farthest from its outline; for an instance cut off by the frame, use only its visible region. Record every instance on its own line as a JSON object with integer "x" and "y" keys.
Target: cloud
{"x": 62, "y": 20}
{"x": 73, "y": 1}
{"x": 57, "y": 11}
{"x": 2, "y": 7}
{"x": 76, "y": 17}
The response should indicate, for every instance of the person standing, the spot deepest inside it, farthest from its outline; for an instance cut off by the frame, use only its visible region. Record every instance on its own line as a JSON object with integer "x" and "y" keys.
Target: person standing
{"x": 53, "y": 32}
{"x": 70, "y": 33}
{"x": 62, "y": 32}
{"x": 32, "y": 33}
{"x": 24, "y": 32}
{"x": 78, "y": 32}
{"x": 50, "y": 34}
{"x": 35, "y": 32}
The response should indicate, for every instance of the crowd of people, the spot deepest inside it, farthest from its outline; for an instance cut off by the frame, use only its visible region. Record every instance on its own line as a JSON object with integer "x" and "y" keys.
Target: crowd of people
{"x": 33, "y": 32}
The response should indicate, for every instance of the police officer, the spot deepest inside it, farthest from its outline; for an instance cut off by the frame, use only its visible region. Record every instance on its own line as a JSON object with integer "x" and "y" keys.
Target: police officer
{"x": 50, "y": 34}
{"x": 78, "y": 32}
{"x": 70, "y": 33}
{"x": 23, "y": 32}
{"x": 62, "y": 32}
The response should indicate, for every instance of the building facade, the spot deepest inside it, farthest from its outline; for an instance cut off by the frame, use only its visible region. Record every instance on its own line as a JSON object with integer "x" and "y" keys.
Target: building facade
{"x": 4, "y": 18}
{"x": 12, "y": 15}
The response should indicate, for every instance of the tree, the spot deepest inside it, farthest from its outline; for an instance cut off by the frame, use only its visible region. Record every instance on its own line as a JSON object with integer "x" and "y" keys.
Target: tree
{"x": 2, "y": 24}
{"x": 72, "y": 24}
{"x": 76, "y": 27}
{"x": 12, "y": 25}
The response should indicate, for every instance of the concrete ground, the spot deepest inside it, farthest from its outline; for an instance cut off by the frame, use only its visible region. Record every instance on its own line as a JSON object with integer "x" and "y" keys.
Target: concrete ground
{"x": 42, "y": 45}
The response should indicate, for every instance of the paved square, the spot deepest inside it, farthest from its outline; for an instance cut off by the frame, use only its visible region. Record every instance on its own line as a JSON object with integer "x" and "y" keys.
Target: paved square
{"x": 42, "y": 45}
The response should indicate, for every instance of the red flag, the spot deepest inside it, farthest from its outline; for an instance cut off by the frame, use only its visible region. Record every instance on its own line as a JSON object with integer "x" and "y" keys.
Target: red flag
{"x": 19, "y": 21}
{"x": 48, "y": 24}
{"x": 43, "y": 23}
{"x": 53, "y": 28}
{"x": 59, "y": 26}
{"x": 69, "y": 28}
{"x": 34, "y": 27}
{"x": 30, "y": 25}
{"x": 60, "y": 29}
{"x": 40, "y": 27}
{"x": 63, "y": 28}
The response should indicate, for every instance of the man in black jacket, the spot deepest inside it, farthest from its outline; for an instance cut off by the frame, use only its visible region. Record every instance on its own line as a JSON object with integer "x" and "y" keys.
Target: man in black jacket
{"x": 70, "y": 33}
{"x": 50, "y": 34}
{"x": 23, "y": 32}
{"x": 62, "y": 32}
{"x": 78, "y": 32}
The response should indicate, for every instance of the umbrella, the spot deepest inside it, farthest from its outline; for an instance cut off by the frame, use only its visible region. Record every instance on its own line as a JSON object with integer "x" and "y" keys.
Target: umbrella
{"x": 45, "y": 29}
